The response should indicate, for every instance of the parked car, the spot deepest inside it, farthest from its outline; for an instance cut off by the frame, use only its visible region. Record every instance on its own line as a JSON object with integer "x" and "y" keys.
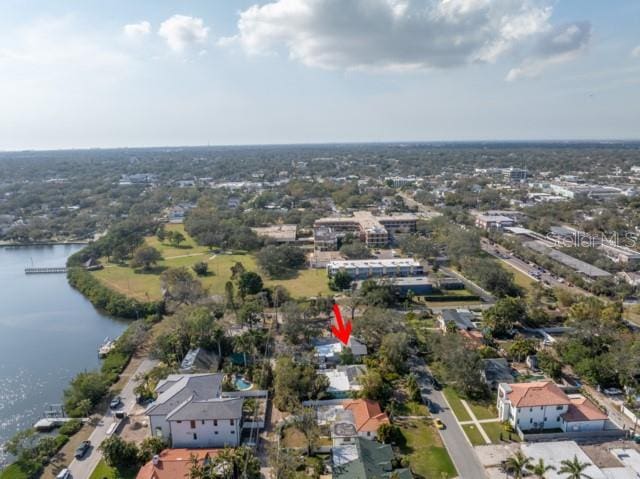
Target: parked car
{"x": 115, "y": 402}
{"x": 433, "y": 407}
{"x": 64, "y": 474}
{"x": 82, "y": 449}
{"x": 613, "y": 391}
{"x": 436, "y": 385}
{"x": 439, "y": 424}
{"x": 120, "y": 414}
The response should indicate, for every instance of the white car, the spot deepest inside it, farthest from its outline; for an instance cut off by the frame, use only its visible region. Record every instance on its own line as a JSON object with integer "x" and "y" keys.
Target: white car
{"x": 64, "y": 474}
{"x": 612, "y": 391}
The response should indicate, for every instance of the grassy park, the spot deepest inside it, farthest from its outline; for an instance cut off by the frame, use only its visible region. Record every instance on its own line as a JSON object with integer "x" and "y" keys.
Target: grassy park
{"x": 145, "y": 286}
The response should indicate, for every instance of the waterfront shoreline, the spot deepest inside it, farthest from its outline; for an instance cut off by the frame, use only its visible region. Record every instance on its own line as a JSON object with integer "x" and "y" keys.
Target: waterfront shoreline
{"x": 46, "y": 243}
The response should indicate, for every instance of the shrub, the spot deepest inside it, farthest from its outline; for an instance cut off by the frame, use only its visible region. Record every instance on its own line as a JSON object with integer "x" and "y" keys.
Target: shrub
{"x": 69, "y": 428}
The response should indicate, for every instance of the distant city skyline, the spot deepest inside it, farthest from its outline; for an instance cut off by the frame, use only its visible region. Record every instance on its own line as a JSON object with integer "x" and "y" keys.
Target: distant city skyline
{"x": 196, "y": 73}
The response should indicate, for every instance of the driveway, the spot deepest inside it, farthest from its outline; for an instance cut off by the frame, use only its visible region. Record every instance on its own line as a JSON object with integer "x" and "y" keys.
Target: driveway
{"x": 82, "y": 468}
{"x": 461, "y": 452}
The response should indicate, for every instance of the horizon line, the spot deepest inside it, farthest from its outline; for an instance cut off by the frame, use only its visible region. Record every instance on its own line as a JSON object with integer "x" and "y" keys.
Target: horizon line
{"x": 326, "y": 143}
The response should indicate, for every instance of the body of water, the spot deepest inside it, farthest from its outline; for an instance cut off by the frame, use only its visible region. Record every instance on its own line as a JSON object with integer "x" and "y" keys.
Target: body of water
{"x": 48, "y": 333}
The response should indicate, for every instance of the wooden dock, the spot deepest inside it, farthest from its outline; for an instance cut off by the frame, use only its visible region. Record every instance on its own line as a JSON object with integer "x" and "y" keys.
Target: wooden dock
{"x": 54, "y": 270}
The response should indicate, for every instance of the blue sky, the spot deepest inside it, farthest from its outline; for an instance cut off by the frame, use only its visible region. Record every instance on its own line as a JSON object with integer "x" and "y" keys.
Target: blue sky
{"x": 77, "y": 74}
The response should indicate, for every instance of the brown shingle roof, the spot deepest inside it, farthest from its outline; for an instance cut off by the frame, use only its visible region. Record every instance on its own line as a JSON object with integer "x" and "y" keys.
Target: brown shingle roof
{"x": 541, "y": 393}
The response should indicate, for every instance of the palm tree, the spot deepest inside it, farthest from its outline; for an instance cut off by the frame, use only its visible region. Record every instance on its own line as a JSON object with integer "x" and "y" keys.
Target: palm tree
{"x": 218, "y": 337}
{"x": 574, "y": 468}
{"x": 243, "y": 343}
{"x": 517, "y": 464}
{"x": 539, "y": 469}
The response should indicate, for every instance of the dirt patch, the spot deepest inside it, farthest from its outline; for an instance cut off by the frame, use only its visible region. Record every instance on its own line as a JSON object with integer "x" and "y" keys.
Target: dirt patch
{"x": 135, "y": 428}
{"x": 601, "y": 455}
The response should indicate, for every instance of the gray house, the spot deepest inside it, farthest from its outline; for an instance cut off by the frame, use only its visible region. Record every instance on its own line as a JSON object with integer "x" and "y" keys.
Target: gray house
{"x": 496, "y": 371}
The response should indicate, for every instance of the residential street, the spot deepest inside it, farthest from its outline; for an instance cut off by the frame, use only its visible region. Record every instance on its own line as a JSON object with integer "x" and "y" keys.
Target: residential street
{"x": 82, "y": 468}
{"x": 462, "y": 453}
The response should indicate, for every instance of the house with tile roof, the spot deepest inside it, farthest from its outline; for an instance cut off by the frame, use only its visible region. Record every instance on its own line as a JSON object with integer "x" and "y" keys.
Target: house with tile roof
{"x": 175, "y": 463}
{"x": 190, "y": 412}
{"x": 367, "y": 416}
{"x": 542, "y": 405}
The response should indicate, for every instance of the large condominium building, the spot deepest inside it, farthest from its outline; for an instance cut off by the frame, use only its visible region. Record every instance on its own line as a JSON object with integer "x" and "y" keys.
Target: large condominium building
{"x": 375, "y": 231}
{"x": 376, "y": 268}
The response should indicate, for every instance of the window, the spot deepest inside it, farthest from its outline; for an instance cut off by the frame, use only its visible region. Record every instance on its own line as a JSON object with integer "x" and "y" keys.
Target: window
{"x": 215, "y": 422}
{"x": 558, "y": 418}
{"x": 215, "y": 432}
{"x": 203, "y": 422}
{"x": 179, "y": 422}
{"x": 530, "y": 409}
{"x": 195, "y": 436}
{"x": 559, "y": 408}
{"x": 233, "y": 431}
{"x": 530, "y": 420}
{"x": 231, "y": 422}
{"x": 193, "y": 424}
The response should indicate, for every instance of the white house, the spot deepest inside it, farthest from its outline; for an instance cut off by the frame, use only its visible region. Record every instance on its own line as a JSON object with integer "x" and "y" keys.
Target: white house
{"x": 190, "y": 412}
{"x": 344, "y": 379}
{"x": 543, "y": 405}
{"x": 209, "y": 423}
{"x": 328, "y": 350}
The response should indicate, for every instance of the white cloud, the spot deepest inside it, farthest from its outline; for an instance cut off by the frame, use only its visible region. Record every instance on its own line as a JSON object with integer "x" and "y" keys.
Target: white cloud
{"x": 398, "y": 34}
{"x": 181, "y": 31}
{"x": 636, "y": 52}
{"x": 558, "y": 45}
{"x": 136, "y": 30}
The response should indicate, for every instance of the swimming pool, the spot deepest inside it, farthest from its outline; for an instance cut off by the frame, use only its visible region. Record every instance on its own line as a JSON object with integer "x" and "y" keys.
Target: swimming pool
{"x": 242, "y": 384}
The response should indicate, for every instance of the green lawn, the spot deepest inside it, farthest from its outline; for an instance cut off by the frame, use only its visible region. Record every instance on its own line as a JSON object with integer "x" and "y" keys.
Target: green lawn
{"x": 146, "y": 286}
{"x": 428, "y": 458}
{"x": 456, "y": 405}
{"x": 473, "y": 434}
{"x": 494, "y": 429}
{"x": 483, "y": 410}
{"x": 521, "y": 279}
{"x": 412, "y": 408}
{"x": 102, "y": 471}
{"x": 13, "y": 472}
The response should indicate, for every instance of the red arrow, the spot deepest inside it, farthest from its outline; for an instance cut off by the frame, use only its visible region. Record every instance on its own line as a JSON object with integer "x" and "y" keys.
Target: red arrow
{"x": 342, "y": 332}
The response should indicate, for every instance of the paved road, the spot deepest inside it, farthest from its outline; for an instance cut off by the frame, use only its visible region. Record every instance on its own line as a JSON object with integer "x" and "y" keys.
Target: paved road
{"x": 461, "y": 452}
{"x": 532, "y": 271}
{"x": 82, "y": 468}
{"x": 424, "y": 209}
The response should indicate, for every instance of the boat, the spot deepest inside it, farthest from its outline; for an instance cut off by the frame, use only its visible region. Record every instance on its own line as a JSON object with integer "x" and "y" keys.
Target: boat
{"x": 107, "y": 346}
